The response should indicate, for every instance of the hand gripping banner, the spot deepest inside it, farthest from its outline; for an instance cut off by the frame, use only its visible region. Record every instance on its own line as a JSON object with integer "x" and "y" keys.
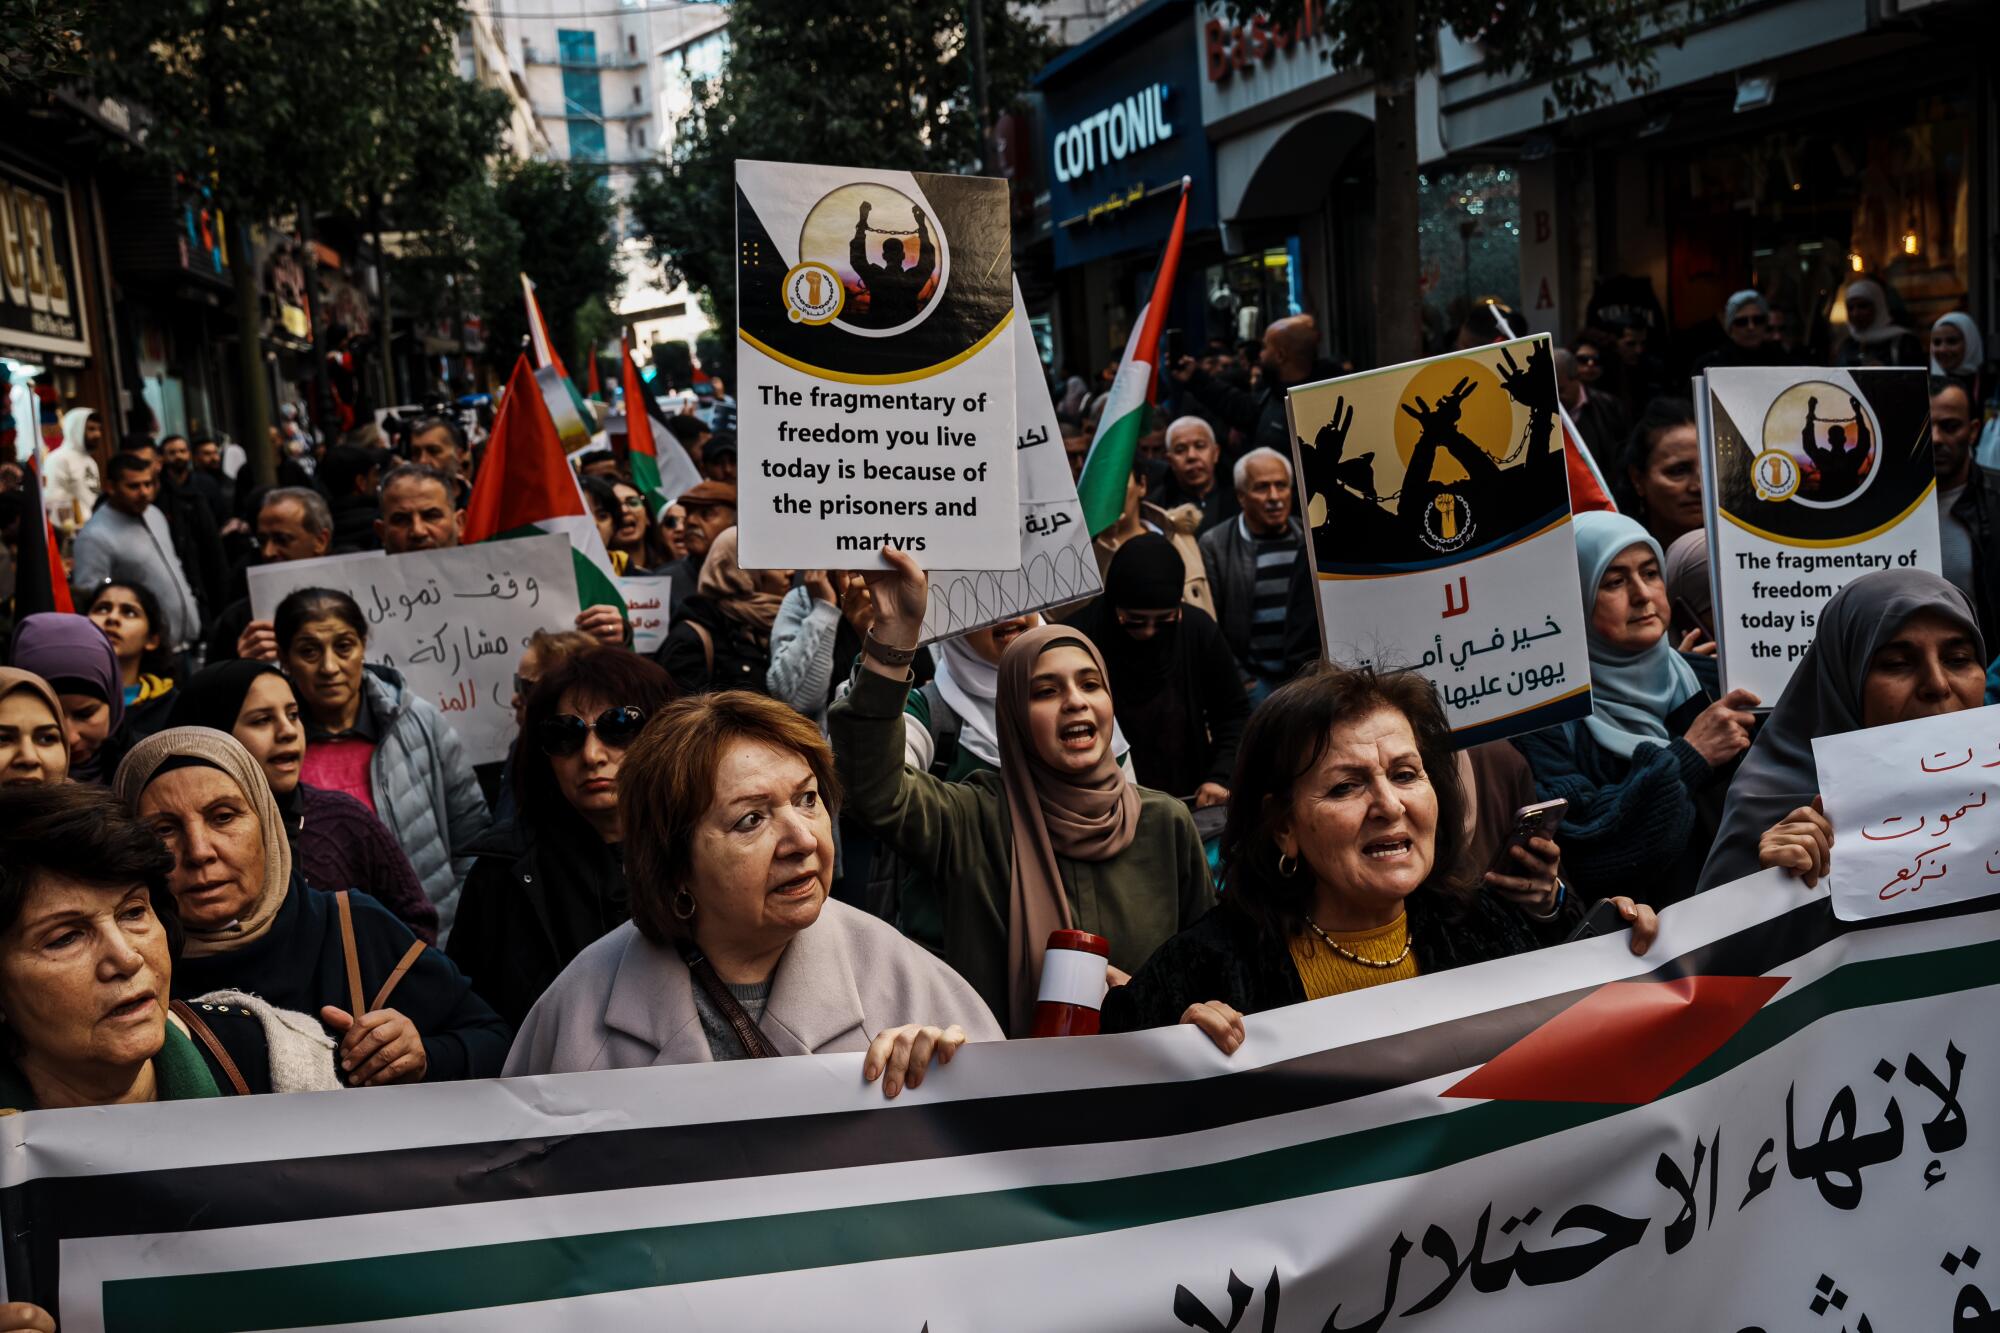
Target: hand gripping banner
{"x": 1776, "y": 1121}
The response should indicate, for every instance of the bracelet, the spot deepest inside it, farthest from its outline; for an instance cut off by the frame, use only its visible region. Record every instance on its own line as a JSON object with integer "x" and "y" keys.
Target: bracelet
{"x": 883, "y": 653}
{"x": 1562, "y": 891}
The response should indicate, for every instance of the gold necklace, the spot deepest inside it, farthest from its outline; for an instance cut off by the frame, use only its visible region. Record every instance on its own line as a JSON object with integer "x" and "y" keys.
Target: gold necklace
{"x": 1353, "y": 957}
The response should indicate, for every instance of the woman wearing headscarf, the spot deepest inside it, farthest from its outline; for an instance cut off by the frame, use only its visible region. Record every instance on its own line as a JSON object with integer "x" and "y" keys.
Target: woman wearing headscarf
{"x": 252, "y": 925}
{"x": 1646, "y": 773}
{"x": 1889, "y": 647}
{"x": 1958, "y": 352}
{"x": 1177, "y": 689}
{"x": 33, "y": 748}
{"x": 721, "y": 636}
{"x": 73, "y": 656}
{"x": 1873, "y": 336}
{"x": 1058, "y": 838}
{"x": 1746, "y": 324}
{"x": 337, "y": 842}
{"x": 1689, "y": 595}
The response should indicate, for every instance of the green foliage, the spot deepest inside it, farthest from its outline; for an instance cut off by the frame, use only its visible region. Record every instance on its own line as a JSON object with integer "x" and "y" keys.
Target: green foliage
{"x": 38, "y": 43}
{"x": 854, "y": 82}
{"x": 554, "y": 222}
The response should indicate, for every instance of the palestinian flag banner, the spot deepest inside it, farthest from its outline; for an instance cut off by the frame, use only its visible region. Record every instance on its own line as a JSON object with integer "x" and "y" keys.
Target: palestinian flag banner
{"x": 526, "y": 487}
{"x": 662, "y": 480}
{"x": 1774, "y": 1121}
{"x": 40, "y": 583}
{"x": 1134, "y": 390}
{"x": 547, "y": 357}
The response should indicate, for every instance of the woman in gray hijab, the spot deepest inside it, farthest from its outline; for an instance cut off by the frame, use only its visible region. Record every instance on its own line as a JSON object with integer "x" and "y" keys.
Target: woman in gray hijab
{"x": 1890, "y": 646}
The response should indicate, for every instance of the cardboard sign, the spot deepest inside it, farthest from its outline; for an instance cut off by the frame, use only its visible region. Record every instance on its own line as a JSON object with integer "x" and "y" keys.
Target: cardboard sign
{"x": 646, "y": 603}
{"x": 876, "y": 374}
{"x": 1811, "y": 479}
{"x": 1915, "y": 808}
{"x": 1437, "y": 510}
{"x": 452, "y": 622}
{"x": 1057, "y": 564}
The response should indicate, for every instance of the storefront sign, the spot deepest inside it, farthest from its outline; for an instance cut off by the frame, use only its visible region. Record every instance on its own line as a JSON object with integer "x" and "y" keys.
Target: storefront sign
{"x": 40, "y": 304}
{"x": 1114, "y": 133}
{"x": 1229, "y": 48}
{"x": 1246, "y": 65}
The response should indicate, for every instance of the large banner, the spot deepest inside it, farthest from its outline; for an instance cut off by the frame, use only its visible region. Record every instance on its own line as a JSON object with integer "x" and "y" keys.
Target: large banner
{"x": 1438, "y": 522}
{"x": 875, "y": 374}
{"x": 1774, "y": 1122}
{"x": 1812, "y": 478}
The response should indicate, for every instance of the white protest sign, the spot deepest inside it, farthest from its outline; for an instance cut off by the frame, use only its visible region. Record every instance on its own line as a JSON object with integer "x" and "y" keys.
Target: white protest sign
{"x": 1811, "y": 478}
{"x": 452, "y": 622}
{"x": 877, "y": 379}
{"x": 1057, "y": 564}
{"x": 1915, "y": 809}
{"x": 646, "y": 605}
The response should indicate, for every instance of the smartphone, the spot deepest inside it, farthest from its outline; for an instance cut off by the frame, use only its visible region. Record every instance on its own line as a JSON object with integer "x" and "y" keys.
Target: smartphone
{"x": 1603, "y": 919}
{"x": 1540, "y": 820}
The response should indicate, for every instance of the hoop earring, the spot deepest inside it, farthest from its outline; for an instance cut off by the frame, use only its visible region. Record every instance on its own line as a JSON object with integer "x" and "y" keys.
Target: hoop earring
{"x": 1287, "y": 870}
{"x": 683, "y": 913}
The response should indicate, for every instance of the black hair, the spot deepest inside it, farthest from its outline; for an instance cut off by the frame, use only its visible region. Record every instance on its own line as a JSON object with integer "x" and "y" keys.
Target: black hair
{"x": 686, "y": 428}
{"x": 1659, "y": 416}
{"x": 431, "y": 423}
{"x": 603, "y": 496}
{"x": 154, "y": 661}
{"x": 611, "y": 677}
{"x": 591, "y": 458}
{"x": 79, "y": 832}
{"x": 123, "y": 462}
{"x": 306, "y": 605}
{"x": 346, "y": 464}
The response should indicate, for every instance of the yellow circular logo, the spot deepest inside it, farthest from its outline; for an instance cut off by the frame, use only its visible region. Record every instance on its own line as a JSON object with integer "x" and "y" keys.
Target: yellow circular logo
{"x": 1775, "y": 473}
{"x": 813, "y": 293}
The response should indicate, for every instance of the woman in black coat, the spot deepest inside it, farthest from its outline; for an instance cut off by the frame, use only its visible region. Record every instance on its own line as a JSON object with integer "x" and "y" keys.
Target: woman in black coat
{"x": 721, "y": 636}
{"x": 553, "y": 880}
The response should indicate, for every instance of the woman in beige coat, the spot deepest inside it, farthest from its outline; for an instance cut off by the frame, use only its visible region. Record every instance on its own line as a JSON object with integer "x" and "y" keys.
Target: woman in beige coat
{"x": 734, "y": 950}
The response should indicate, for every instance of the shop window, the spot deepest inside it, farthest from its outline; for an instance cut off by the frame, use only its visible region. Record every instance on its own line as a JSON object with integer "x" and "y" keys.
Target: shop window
{"x": 1469, "y": 245}
{"x": 1248, "y": 292}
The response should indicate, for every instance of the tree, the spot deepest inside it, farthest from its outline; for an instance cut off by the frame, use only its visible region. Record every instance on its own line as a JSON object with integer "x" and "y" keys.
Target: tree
{"x": 841, "y": 81}
{"x": 39, "y": 43}
{"x": 1582, "y": 48}
{"x": 554, "y": 222}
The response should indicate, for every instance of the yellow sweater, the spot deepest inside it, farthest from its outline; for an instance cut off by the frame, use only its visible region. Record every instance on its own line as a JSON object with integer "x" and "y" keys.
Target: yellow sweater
{"x": 1324, "y": 972}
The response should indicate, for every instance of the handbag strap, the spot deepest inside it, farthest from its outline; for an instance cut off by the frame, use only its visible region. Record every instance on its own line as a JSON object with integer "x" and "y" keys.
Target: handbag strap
{"x": 410, "y": 956}
{"x": 201, "y": 1033}
{"x": 353, "y": 958}
{"x": 753, "y": 1041}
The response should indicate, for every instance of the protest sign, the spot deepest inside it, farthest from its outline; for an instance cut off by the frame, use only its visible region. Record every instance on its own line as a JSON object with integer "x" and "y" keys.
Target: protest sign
{"x": 1811, "y": 478}
{"x": 646, "y": 602}
{"x": 1769, "y": 1117}
{"x": 1437, "y": 518}
{"x": 1915, "y": 808}
{"x": 452, "y": 622}
{"x": 875, "y": 375}
{"x": 1057, "y": 564}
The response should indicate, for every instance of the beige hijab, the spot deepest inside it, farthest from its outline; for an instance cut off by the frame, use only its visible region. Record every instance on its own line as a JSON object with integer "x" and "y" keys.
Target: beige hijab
{"x": 1089, "y": 817}
{"x": 13, "y": 678}
{"x": 218, "y": 750}
{"x": 736, "y": 591}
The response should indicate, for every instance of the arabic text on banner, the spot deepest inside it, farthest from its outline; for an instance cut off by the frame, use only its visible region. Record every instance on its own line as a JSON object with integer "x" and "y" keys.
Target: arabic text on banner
{"x": 1811, "y": 479}
{"x": 876, "y": 374}
{"x": 1773, "y": 1117}
{"x": 647, "y": 597}
{"x": 1437, "y": 512}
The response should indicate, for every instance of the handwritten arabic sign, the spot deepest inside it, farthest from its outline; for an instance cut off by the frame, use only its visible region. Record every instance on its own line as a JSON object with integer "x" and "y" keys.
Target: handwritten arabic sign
{"x": 452, "y": 622}
{"x": 1438, "y": 523}
{"x": 646, "y": 601}
{"x": 1057, "y": 565}
{"x": 1810, "y": 1134}
{"x": 1915, "y": 809}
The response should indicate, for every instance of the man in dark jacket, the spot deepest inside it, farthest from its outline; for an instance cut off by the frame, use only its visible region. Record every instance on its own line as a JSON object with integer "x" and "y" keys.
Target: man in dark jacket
{"x": 1250, "y": 562}
{"x": 1190, "y": 478}
{"x": 1968, "y": 505}
{"x": 1290, "y": 356}
{"x": 351, "y": 473}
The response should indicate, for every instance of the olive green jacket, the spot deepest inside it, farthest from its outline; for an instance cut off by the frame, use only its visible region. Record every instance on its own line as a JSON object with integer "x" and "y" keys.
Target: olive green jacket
{"x": 957, "y": 834}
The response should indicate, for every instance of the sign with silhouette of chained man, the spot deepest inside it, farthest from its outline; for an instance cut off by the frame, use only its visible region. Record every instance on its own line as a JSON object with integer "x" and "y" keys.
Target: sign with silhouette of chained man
{"x": 1810, "y": 478}
{"x": 875, "y": 368}
{"x": 1437, "y": 518}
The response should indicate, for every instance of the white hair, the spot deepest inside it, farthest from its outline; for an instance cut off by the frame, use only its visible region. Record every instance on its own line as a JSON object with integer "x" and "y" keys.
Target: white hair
{"x": 1241, "y": 475}
{"x": 1190, "y": 422}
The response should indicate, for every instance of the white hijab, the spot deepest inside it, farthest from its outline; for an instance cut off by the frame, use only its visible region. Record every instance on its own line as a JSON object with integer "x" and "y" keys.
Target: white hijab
{"x": 969, "y": 683}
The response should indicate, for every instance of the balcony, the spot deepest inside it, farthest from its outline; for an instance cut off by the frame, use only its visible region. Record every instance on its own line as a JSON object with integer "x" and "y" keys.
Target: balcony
{"x": 571, "y": 111}
{"x": 539, "y": 55}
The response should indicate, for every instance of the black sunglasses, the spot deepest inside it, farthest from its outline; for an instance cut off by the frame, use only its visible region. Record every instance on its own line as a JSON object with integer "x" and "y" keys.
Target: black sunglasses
{"x": 564, "y": 734}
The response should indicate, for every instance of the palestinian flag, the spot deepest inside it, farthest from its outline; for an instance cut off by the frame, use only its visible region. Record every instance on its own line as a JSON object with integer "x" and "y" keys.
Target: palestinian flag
{"x": 660, "y": 480}
{"x": 548, "y": 358}
{"x": 1101, "y": 489}
{"x": 39, "y": 581}
{"x": 525, "y": 486}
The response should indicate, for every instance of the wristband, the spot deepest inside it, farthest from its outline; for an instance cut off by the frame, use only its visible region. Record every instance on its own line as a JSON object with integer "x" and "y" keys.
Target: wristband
{"x": 1561, "y": 891}
{"x": 883, "y": 653}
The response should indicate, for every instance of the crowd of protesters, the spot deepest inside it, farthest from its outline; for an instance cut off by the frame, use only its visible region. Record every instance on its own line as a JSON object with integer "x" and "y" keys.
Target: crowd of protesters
{"x": 236, "y": 856}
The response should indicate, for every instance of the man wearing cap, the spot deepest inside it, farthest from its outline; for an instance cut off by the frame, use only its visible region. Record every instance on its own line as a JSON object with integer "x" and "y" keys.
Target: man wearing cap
{"x": 718, "y": 458}
{"x": 711, "y": 511}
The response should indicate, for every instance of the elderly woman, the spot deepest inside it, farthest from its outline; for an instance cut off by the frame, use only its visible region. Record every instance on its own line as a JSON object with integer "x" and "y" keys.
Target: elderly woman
{"x": 552, "y": 881}
{"x": 253, "y": 926}
{"x": 734, "y": 950}
{"x": 1889, "y": 647}
{"x": 336, "y": 843}
{"x": 1059, "y": 837}
{"x": 88, "y": 942}
{"x": 74, "y": 657}
{"x": 129, "y": 615}
{"x": 1646, "y": 773}
{"x": 372, "y": 738}
{"x": 1342, "y": 856}
{"x": 33, "y": 749}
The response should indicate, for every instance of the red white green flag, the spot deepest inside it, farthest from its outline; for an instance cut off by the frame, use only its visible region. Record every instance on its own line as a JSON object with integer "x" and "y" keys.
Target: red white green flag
{"x": 525, "y": 486}
{"x": 1101, "y": 489}
{"x": 546, "y": 355}
{"x": 661, "y": 480}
